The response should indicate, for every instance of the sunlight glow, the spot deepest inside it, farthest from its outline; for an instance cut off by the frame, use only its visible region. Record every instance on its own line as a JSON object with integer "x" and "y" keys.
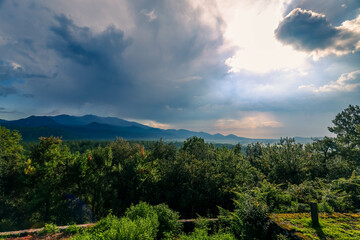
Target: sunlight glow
{"x": 258, "y": 123}
{"x": 250, "y": 28}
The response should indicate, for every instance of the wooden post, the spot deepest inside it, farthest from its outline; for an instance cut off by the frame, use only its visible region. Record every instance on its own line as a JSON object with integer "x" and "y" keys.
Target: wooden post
{"x": 314, "y": 214}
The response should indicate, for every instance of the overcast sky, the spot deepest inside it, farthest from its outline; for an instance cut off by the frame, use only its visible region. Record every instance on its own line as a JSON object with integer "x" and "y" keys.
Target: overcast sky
{"x": 254, "y": 68}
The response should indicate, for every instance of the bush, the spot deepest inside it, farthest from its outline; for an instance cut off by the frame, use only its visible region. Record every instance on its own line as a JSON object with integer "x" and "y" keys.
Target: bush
{"x": 141, "y": 221}
{"x": 166, "y": 219}
{"x": 250, "y": 218}
{"x": 73, "y": 229}
{"x": 49, "y": 229}
{"x": 113, "y": 228}
{"x": 169, "y": 225}
{"x": 201, "y": 232}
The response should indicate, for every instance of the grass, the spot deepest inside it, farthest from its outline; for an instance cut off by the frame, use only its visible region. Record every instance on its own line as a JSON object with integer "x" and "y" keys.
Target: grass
{"x": 332, "y": 226}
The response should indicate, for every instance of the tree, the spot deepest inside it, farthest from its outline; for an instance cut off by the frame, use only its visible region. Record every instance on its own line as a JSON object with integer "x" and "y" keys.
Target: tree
{"x": 347, "y": 129}
{"x": 287, "y": 162}
{"x": 11, "y": 173}
{"x": 345, "y": 124}
{"x": 196, "y": 146}
{"x": 48, "y": 179}
{"x": 10, "y": 158}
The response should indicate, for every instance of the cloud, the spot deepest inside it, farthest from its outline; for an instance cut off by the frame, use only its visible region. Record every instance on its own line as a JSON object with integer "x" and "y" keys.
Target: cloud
{"x": 159, "y": 71}
{"x": 5, "y": 91}
{"x": 336, "y": 11}
{"x": 189, "y": 79}
{"x": 155, "y": 124}
{"x": 83, "y": 46}
{"x": 311, "y": 32}
{"x": 252, "y": 121}
{"x": 151, "y": 15}
{"x": 6, "y": 111}
{"x": 347, "y": 82}
{"x": 12, "y": 70}
{"x": 257, "y": 124}
{"x": 249, "y": 29}
{"x": 174, "y": 69}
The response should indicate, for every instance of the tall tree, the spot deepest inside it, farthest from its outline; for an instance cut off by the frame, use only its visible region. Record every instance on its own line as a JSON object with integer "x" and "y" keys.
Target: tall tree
{"x": 11, "y": 173}
{"x": 345, "y": 124}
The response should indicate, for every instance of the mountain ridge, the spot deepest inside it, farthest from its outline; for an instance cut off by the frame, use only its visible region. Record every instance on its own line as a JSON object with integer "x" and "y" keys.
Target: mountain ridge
{"x": 109, "y": 128}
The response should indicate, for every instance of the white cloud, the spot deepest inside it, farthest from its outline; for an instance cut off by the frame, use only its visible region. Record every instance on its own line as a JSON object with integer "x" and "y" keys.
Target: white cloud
{"x": 347, "y": 42}
{"x": 151, "y": 15}
{"x": 16, "y": 66}
{"x": 347, "y": 82}
{"x": 155, "y": 124}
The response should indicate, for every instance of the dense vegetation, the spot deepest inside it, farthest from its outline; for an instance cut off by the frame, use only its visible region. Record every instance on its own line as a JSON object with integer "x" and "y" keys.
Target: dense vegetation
{"x": 50, "y": 183}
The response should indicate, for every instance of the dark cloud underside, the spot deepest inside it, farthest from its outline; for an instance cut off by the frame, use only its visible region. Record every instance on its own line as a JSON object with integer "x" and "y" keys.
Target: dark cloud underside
{"x": 310, "y": 31}
{"x": 306, "y": 30}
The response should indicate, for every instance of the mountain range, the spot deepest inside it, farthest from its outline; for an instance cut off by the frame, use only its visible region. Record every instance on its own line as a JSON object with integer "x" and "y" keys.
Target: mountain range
{"x": 109, "y": 128}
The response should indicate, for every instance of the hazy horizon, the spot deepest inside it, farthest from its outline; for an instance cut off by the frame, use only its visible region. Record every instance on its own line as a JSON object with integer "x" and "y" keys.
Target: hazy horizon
{"x": 256, "y": 69}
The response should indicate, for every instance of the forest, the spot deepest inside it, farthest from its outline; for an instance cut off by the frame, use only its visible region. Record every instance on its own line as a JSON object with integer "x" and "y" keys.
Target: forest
{"x": 113, "y": 183}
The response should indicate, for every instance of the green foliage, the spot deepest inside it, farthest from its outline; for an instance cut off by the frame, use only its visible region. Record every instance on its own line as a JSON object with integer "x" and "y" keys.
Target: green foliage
{"x": 11, "y": 176}
{"x": 275, "y": 198}
{"x": 48, "y": 179}
{"x": 113, "y": 228}
{"x": 196, "y": 147}
{"x": 281, "y": 237}
{"x": 162, "y": 216}
{"x": 332, "y": 226}
{"x": 73, "y": 229}
{"x": 202, "y": 234}
{"x": 10, "y": 156}
{"x": 63, "y": 183}
{"x": 351, "y": 192}
{"x": 345, "y": 124}
{"x": 250, "y": 218}
{"x": 49, "y": 229}
{"x": 169, "y": 225}
{"x": 202, "y": 230}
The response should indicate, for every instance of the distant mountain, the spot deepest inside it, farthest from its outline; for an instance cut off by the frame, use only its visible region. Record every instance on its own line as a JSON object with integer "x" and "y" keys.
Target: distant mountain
{"x": 87, "y": 119}
{"x": 33, "y": 121}
{"x": 109, "y": 128}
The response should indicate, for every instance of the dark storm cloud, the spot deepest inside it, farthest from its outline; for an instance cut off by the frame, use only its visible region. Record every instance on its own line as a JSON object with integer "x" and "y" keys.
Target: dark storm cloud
{"x": 80, "y": 45}
{"x": 310, "y": 31}
{"x": 337, "y": 11}
{"x": 158, "y": 71}
{"x": 5, "y": 91}
{"x": 306, "y": 30}
{"x": 13, "y": 71}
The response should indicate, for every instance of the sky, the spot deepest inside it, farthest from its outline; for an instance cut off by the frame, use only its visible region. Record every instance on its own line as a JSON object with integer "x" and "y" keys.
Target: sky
{"x": 253, "y": 68}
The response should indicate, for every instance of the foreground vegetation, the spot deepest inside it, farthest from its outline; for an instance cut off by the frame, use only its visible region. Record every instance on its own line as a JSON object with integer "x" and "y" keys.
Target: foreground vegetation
{"x": 332, "y": 225}
{"x": 49, "y": 183}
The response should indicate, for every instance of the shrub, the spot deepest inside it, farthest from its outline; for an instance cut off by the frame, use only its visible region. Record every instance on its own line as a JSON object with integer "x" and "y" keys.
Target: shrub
{"x": 113, "y": 228}
{"x": 250, "y": 218}
{"x": 49, "y": 229}
{"x": 141, "y": 221}
{"x": 73, "y": 229}
{"x": 201, "y": 234}
{"x": 169, "y": 225}
{"x": 165, "y": 218}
